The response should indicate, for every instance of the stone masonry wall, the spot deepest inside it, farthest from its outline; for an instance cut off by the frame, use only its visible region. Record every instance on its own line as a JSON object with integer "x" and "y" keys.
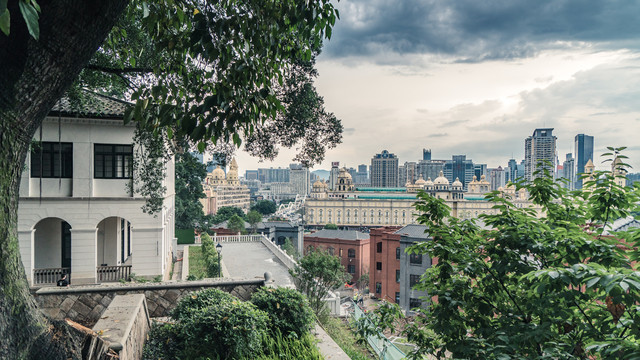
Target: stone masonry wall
{"x": 86, "y": 304}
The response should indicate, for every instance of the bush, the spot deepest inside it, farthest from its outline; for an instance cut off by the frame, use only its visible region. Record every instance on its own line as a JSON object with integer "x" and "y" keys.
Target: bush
{"x": 198, "y": 301}
{"x": 210, "y": 256}
{"x": 277, "y": 346}
{"x": 163, "y": 342}
{"x": 288, "y": 309}
{"x": 230, "y": 329}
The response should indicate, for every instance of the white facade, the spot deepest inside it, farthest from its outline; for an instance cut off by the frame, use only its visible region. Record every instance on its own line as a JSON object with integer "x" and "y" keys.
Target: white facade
{"x": 84, "y": 220}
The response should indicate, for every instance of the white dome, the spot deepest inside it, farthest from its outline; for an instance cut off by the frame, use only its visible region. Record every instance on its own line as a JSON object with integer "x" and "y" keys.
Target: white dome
{"x": 217, "y": 173}
{"x": 441, "y": 180}
{"x": 457, "y": 183}
{"x": 420, "y": 181}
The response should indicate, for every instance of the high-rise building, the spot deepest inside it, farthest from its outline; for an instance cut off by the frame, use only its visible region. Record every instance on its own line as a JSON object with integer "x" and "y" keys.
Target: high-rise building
{"x": 333, "y": 175}
{"x": 497, "y": 178}
{"x": 362, "y": 176}
{"x": 512, "y": 170}
{"x": 429, "y": 169}
{"x": 251, "y": 175}
{"x": 479, "y": 170}
{"x": 426, "y": 154}
{"x": 459, "y": 168}
{"x": 273, "y": 175}
{"x": 384, "y": 170}
{"x": 539, "y": 153}
{"x": 568, "y": 168}
{"x": 584, "y": 153}
{"x": 407, "y": 173}
{"x": 299, "y": 178}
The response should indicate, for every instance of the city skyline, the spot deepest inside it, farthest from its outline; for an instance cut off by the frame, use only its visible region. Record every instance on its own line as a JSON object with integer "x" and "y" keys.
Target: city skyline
{"x": 476, "y": 79}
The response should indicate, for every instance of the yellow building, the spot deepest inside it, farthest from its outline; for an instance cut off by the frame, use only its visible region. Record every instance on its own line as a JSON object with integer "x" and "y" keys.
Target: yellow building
{"x": 349, "y": 206}
{"x": 224, "y": 190}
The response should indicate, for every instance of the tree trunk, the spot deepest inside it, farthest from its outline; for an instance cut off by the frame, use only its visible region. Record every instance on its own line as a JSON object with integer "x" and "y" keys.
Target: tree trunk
{"x": 33, "y": 76}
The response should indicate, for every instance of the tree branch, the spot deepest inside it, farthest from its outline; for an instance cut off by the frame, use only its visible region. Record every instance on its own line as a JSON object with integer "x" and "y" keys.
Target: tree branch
{"x": 119, "y": 71}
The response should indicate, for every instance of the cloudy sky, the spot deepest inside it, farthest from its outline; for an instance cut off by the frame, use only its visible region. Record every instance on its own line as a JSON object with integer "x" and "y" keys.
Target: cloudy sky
{"x": 477, "y": 77}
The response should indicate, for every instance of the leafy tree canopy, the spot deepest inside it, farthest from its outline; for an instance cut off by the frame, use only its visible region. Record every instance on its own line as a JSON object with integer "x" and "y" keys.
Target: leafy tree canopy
{"x": 226, "y": 212}
{"x": 236, "y": 224}
{"x": 331, "y": 226}
{"x": 189, "y": 176}
{"x": 527, "y": 286}
{"x": 254, "y": 218}
{"x": 316, "y": 274}
{"x": 264, "y": 207}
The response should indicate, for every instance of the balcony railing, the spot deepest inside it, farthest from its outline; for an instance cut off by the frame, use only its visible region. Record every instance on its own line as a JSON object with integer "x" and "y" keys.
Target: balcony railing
{"x": 50, "y": 275}
{"x": 114, "y": 273}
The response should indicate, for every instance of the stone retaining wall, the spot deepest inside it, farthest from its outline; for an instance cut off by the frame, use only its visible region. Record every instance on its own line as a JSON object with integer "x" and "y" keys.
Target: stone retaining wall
{"x": 125, "y": 325}
{"x": 86, "y": 304}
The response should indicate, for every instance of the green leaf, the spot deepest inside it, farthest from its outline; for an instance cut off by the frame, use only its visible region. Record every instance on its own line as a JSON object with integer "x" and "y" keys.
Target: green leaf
{"x": 145, "y": 9}
{"x": 5, "y": 21}
{"x": 593, "y": 281}
{"x": 30, "y": 15}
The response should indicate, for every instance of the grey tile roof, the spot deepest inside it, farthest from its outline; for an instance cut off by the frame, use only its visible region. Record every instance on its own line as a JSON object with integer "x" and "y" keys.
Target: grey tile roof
{"x": 91, "y": 105}
{"x": 414, "y": 231}
{"x": 339, "y": 234}
{"x": 268, "y": 224}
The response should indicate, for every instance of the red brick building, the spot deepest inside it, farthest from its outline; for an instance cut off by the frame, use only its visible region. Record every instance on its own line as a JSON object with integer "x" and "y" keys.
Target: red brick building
{"x": 352, "y": 247}
{"x": 384, "y": 278}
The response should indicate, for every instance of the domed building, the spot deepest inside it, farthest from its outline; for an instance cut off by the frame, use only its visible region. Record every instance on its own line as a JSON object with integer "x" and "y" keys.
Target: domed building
{"x": 345, "y": 182}
{"x": 222, "y": 189}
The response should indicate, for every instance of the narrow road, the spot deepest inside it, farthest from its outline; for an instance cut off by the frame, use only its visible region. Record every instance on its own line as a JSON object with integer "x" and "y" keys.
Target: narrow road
{"x": 252, "y": 259}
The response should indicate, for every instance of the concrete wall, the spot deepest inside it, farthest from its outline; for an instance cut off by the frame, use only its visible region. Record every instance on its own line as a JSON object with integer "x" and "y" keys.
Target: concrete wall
{"x": 85, "y": 305}
{"x": 125, "y": 324}
{"x": 286, "y": 260}
{"x": 47, "y": 241}
{"x": 406, "y": 270}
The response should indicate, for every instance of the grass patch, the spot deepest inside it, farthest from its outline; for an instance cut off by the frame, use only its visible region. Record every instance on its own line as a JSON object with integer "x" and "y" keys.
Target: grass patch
{"x": 346, "y": 339}
{"x": 197, "y": 264}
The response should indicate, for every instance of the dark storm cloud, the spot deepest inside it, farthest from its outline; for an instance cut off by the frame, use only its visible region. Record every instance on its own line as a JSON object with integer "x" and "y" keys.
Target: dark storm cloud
{"x": 472, "y": 30}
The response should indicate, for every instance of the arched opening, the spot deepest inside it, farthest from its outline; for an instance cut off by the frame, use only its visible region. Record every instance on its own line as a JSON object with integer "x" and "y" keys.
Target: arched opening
{"x": 115, "y": 249}
{"x": 52, "y": 250}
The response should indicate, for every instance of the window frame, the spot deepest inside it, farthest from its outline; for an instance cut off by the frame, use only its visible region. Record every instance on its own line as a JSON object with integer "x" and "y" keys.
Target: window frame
{"x": 379, "y": 265}
{"x": 117, "y": 158}
{"x": 47, "y": 149}
{"x": 351, "y": 253}
{"x": 413, "y": 259}
{"x": 379, "y": 247}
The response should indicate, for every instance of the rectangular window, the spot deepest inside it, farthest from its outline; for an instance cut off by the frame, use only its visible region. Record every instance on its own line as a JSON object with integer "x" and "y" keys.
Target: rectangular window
{"x": 378, "y": 288}
{"x": 397, "y": 276}
{"x": 397, "y": 298}
{"x": 378, "y": 265}
{"x": 113, "y": 161}
{"x": 351, "y": 269}
{"x": 379, "y": 247}
{"x": 397, "y": 253}
{"x": 413, "y": 279}
{"x": 415, "y": 303}
{"x": 52, "y": 160}
{"x": 415, "y": 259}
{"x": 351, "y": 253}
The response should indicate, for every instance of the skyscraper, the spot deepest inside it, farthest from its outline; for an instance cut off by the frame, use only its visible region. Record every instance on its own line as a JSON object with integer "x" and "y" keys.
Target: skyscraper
{"x": 568, "y": 168}
{"x": 459, "y": 168}
{"x": 584, "y": 153}
{"x": 539, "y": 153}
{"x": 299, "y": 179}
{"x": 384, "y": 170}
{"x": 426, "y": 154}
{"x": 333, "y": 175}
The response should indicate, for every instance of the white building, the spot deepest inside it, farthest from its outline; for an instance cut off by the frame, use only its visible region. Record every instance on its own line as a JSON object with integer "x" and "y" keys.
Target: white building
{"x": 76, "y": 214}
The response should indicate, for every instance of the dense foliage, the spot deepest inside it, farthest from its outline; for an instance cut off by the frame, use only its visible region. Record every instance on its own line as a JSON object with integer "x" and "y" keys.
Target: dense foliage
{"x": 210, "y": 255}
{"x": 254, "y": 218}
{"x": 264, "y": 207}
{"x": 535, "y": 286}
{"x": 213, "y": 324}
{"x": 225, "y": 213}
{"x": 288, "y": 309}
{"x": 331, "y": 226}
{"x": 236, "y": 224}
{"x": 190, "y": 174}
{"x": 316, "y": 274}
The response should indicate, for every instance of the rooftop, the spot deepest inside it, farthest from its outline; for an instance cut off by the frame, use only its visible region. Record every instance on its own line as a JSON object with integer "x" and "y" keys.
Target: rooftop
{"x": 339, "y": 234}
{"x": 414, "y": 231}
{"x": 90, "y": 104}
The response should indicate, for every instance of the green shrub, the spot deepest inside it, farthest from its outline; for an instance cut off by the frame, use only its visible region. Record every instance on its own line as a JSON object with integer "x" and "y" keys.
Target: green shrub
{"x": 229, "y": 329}
{"x": 210, "y": 256}
{"x": 199, "y": 300}
{"x": 163, "y": 342}
{"x": 277, "y": 346}
{"x": 186, "y": 236}
{"x": 288, "y": 309}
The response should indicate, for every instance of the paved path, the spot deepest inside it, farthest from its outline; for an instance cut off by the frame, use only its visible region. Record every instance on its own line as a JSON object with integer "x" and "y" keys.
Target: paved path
{"x": 252, "y": 259}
